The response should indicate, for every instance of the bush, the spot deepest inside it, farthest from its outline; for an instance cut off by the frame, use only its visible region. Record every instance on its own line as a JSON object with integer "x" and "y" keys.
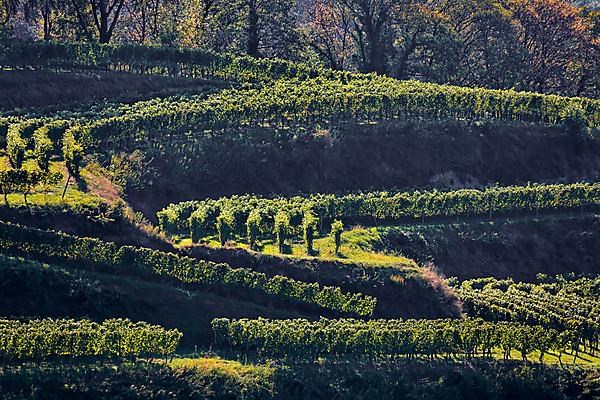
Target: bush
{"x": 15, "y": 145}
{"x": 253, "y": 228}
{"x": 225, "y": 225}
{"x": 42, "y": 148}
{"x": 336, "y": 231}
{"x": 309, "y": 227}
{"x": 282, "y": 228}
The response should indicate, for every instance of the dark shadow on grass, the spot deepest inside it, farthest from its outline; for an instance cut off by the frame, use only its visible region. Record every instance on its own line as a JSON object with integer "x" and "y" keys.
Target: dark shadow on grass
{"x": 82, "y": 185}
{"x": 285, "y": 249}
{"x": 313, "y": 253}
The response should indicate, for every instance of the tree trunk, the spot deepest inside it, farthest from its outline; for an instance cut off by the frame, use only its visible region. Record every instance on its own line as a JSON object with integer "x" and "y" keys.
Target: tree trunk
{"x": 252, "y": 49}
{"x": 47, "y": 15}
{"x": 66, "y": 186}
{"x": 103, "y": 29}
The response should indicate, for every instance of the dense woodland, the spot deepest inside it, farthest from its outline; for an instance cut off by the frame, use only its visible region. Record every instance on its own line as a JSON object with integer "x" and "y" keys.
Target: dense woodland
{"x": 547, "y": 46}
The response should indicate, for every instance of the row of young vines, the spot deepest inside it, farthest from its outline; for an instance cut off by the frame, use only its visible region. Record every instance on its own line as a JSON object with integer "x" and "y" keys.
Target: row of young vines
{"x": 66, "y": 338}
{"x": 553, "y": 306}
{"x": 284, "y": 103}
{"x": 93, "y": 253}
{"x": 250, "y": 214}
{"x": 315, "y": 102}
{"x": 139, "y": 59}
{"x": 301, "y": 339}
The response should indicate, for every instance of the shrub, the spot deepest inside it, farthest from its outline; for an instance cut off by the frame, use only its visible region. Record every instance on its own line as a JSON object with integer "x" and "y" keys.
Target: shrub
{"x": 15, "y": 145}
{"x": 253, "y": 227}
{"x": 309, "y": 227}
{"x": 225, "y": 223}
{"x": 42, "y": 148}
{"x": 336, "y": 231}
{"x": 282, "y": 228}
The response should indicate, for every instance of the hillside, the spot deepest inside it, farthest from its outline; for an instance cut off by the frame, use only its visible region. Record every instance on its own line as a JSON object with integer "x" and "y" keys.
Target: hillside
{"x": 183, "y": 222}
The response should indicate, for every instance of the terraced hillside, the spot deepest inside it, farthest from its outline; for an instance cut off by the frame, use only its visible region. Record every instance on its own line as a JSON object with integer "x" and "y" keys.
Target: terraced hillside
{"x": 223, "y": 226}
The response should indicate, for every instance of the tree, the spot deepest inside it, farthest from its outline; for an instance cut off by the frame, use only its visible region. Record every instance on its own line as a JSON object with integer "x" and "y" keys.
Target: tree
{"x": 550, "y": 36}
{"x": 309, "y": 227}
{"x": 198, "y": 224}
{"x": 483, "y": 50}
{"x": 253, "y": 227}
{"x": 423, "y": 42}
{"x": 225, "y": 223}
{"x": 15, "y": 145}
{"x": 49, "y": 179}
{"x": 370, "y": 30}
{"x": 73, "y": 151}
{"x": 6, "y": 184}
{"x": 282, "y": 228}
{"x": 327, "y": 30}
{"x": 23, "y": 181}
{"x": 141, "y": 20}
{"x": 336, "y": 231}
{"x": 43, "y": 147}
{"x": 259, "y": 28}
{"x": 103, "y": 13}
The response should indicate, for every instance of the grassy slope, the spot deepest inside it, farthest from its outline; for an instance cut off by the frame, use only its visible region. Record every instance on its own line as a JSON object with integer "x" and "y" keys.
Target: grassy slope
{"x": 225, "y": 380}
{"x": 78, "y": 194}
{"x": 357, "y": 247}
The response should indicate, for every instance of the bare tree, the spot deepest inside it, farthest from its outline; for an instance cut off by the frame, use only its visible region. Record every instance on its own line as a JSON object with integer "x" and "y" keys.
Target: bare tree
{"x": 104, "y": 14}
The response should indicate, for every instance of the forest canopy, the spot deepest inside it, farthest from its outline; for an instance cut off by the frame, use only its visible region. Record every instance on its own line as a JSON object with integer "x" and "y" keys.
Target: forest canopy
{"x": 548, "y": 46}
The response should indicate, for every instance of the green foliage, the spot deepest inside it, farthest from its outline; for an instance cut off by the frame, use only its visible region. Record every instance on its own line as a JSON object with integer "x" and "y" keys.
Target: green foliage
{"x": 225, "y": 226}
{"x": 562, "y": 305}
{"x": 22, "y": 181}
{"x": 319, "y": 101}
{"x": 292, "y": 95}
{"x": 221, "y": 379}
{"x": 195, "y": 63}
{"x": 46, "y": 140}
{"x": 91, "y": 253}
{"x": 47, "y": 338}
{"x": 379, "y": 207}
{"x": 309, "y": 340}
{"x": 309, "y": 227}
{"x": 16, "y": 145}
{"x": 56, "y": 128}
{"x": 253, "y": 228}
{"x": 43, "y": 147}
{"x": 168, "y": 218}
{"x": 200, "y": 227}
{"x": 128, "y": 170}
{"x": 282, "y": 228}
{"x": 337, "y": 227}
{"x": 73, "y": 149}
